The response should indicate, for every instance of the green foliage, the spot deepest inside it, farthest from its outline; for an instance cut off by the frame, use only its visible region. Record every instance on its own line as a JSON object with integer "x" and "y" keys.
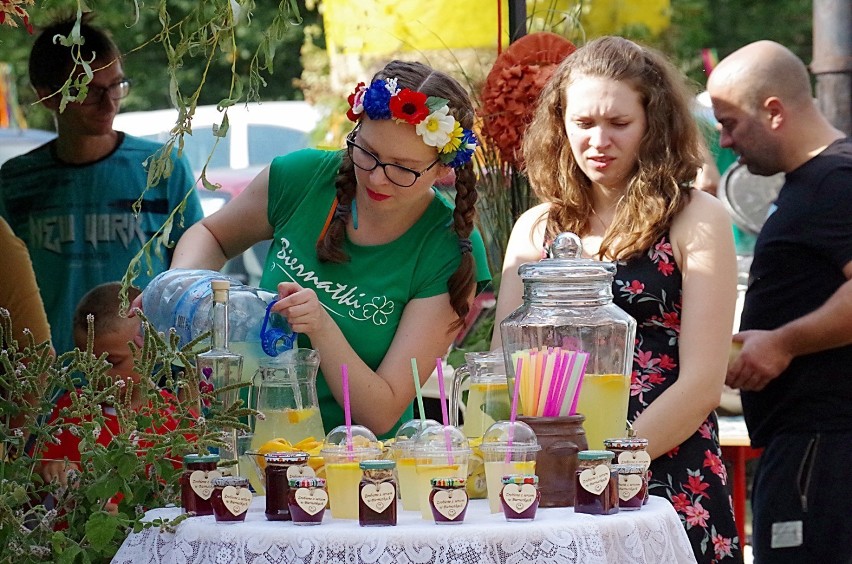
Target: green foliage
{"x": 266, "y": 38}
{"x": 140, "y": 466}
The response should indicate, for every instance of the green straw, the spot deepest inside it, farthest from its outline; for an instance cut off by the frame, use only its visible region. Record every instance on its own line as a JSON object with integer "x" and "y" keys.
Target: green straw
{"x": 417, "y": 389}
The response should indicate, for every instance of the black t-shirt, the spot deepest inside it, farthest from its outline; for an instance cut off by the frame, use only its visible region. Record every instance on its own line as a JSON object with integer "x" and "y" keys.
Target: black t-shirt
{"x": 798, "y": 262}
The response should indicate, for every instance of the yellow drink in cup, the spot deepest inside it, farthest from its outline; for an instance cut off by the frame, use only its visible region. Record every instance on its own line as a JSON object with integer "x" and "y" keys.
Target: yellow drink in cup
{"x": 402, "y": 450}
{"x": 342, "y": 479}
{"x": 436, "y": 467}
{"x": 502, "y": 458}
{"x": 603, "y": 401}
{"x": 441, "y": 452}
{"x": 406, "y": 475}
{"x": 494, "y": 472}
{"x": 342, "y": 472}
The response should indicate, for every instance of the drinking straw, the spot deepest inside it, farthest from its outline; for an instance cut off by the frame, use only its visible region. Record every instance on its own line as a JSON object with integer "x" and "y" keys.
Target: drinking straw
{"x": 569, "y": 371}
{"x": 539, "y": 370}
{"x": 555, "y": 383}
{"x": 417, "y": 391}
{"x": 513, "y": 414}
{"x": 549, "y": 367}
{"x": 582, "y": 376}
{"x": 444, "y": 414}
{"x": 347, "y": 408}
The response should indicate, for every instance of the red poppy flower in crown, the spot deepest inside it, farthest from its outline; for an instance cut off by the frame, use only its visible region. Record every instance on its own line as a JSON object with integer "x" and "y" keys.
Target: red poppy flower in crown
{"x": 430, "y": 116}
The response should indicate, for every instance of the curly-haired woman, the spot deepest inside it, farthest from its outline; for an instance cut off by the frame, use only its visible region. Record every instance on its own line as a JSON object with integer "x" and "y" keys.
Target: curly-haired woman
{"x": 611, "y": 152}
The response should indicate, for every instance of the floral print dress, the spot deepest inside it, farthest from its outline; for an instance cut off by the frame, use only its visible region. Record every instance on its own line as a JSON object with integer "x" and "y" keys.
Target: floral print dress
{"x": 692, "y": 475}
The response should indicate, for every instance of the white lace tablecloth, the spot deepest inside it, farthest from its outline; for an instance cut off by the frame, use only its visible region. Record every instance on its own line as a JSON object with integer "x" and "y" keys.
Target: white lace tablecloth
{"x": 652, "y": 535}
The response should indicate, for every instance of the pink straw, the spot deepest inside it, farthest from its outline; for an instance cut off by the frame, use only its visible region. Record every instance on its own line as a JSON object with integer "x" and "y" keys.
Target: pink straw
{"x": 444, "y": 413}
{"x": 347, "y": 409}
{"x": 576, "y": 399}
{"x": 555, "y": 383}
{"x": 514, "y": 413}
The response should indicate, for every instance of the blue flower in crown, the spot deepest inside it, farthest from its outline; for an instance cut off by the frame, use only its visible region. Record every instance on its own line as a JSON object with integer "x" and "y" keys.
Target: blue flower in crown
{"x": 377, "y": 100}
{"x": 465, "y": 151}
{"x": 383, "y": 99}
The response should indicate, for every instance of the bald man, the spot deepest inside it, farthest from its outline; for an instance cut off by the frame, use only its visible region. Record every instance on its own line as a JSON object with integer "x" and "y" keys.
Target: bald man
{"x": 795, "y": 368}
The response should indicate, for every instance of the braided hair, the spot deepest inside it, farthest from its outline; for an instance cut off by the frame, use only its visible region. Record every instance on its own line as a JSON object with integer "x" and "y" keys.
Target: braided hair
{"x": 421, "y": 78}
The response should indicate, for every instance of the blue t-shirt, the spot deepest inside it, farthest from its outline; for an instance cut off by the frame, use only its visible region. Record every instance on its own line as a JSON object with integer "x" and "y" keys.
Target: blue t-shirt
{"x": 78, "y": 224}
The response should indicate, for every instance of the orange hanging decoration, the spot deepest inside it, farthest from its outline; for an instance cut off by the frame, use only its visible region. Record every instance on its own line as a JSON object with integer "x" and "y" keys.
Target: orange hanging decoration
{"x": 512, "y": 88}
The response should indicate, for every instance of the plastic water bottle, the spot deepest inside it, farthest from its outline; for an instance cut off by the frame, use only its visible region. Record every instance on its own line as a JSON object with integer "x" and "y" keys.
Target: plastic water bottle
{"x": 182, "y": 299}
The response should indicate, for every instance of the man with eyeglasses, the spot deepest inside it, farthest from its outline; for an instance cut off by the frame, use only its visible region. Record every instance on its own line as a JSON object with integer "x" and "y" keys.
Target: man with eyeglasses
{"x": 71, "y": 200}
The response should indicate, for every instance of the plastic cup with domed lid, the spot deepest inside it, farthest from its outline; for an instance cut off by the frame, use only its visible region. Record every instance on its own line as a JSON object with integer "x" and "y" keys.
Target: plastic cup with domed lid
{"x": 507, "y": 448}
{"x": 342, "y": 471}
{"x": 402, "y": 450}
{"x": 440, "y": 451}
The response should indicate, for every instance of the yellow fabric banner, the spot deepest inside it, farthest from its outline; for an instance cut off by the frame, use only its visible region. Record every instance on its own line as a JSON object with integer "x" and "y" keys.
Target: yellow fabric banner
{"x": 387, "y": 26}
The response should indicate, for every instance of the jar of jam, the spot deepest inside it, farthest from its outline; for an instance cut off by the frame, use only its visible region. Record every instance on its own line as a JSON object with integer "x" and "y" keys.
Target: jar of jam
{"x": 632, "y": 486}
{"x": 231, "y": 499}
{"x": 596, "y": 483}
{"x": 196, "y": 483}
{"x": 377, "y": 494}
{"x": 631, "y": 450}
{"x": 448, "y": 500}
{"x": 307, "y": 500}
{"x": 280, "y": 467}
{"x": 520, "y": 497}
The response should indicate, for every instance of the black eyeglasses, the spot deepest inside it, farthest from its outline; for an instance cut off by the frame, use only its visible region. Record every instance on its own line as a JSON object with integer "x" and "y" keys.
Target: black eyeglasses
{"x": 367, "y": 161}
{"x": 95, "y": 94}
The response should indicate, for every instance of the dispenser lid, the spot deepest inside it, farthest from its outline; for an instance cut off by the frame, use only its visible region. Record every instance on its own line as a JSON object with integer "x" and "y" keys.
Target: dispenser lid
{"x": 566, "y": 263}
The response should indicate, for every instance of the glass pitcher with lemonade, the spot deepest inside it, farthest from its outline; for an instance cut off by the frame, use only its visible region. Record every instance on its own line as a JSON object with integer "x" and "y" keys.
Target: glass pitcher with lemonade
{"x": 488, "y": 392}
{"x": 284, "y": 390}
{"x": 576, "y": 345}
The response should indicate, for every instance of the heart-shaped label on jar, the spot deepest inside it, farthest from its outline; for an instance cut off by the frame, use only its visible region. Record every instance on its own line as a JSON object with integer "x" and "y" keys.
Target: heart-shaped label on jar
{"x": 300, "y": 471}
{"x": 629, "y": 486}
{"x": 639, "y": 457}
{"x": 595, "y": 479}
{"x": 311, "y": 500}
{"x": 450, "y": 503}
{"x": 201, "y": 482}
{"x": 378, "y": 497}
{"x": 236, "y": 500}
{"x": 519, "y": 497}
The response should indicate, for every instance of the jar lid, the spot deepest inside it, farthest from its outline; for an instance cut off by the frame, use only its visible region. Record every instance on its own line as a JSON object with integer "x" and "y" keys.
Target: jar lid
{"x": 520, "y": 479}
{"x": 293, "y": 457}
{"x": 225, "y": 481}
{"x": 595, "y": 455}
{"x": 629, "y": 468}
{"x": 377, "y": 464}
{"x": 567, "y": 263}
{"x": 306, "y": 482}
{"x": 626, "y": 443}
{"x": 200, "y": 458}
{"x": 448, "y": 482}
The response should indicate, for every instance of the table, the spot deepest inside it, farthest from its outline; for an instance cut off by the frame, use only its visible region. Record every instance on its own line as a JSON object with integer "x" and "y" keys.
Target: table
{"x": 653, "y": 534}
{"x": 736, "y": 447}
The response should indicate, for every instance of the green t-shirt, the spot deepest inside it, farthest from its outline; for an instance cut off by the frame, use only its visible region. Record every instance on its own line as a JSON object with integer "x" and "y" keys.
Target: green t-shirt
{"x": 366, "y": 295}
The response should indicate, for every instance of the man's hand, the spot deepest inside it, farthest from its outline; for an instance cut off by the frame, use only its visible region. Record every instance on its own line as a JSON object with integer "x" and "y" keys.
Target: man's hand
{"x": 762, "y": 359}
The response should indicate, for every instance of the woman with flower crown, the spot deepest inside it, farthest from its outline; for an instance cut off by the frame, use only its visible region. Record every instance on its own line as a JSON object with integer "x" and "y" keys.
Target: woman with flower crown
{"x": 611, "y": 152}
{"x": 373, "y": 266}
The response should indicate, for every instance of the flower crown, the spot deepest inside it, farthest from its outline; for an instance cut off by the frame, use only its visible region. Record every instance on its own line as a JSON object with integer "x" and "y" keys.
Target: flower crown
{"x": 383, "y": 99}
